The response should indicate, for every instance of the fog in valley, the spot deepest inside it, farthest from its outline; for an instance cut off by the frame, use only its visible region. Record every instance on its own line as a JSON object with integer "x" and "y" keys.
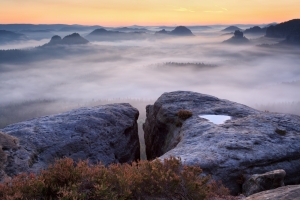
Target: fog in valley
{"x": 139, "y": 71}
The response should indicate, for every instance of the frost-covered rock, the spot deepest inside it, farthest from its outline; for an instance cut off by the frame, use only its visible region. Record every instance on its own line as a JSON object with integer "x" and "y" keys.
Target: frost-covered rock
{"x": 251, "y": 142}
{"x": 106, "y": 134}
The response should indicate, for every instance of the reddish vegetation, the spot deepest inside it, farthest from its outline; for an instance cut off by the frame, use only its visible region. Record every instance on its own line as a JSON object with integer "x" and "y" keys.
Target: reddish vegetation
{"x": 184, "y": 114}
{"x": 140, "y": 180}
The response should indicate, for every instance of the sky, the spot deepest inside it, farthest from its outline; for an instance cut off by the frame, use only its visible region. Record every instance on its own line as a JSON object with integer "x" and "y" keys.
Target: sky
{"x": 147, "y": 12}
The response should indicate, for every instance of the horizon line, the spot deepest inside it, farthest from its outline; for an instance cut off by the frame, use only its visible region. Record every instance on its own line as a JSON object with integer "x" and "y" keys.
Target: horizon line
{"x": 217, "y": 24}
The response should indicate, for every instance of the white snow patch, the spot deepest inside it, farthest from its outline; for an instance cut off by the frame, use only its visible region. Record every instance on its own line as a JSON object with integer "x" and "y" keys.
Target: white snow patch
{"x": 216, "y": 119}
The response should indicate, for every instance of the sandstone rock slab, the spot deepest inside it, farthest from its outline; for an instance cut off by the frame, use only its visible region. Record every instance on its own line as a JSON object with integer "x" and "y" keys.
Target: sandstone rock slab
{"x": 251, "y": 142}
{"x": 106, "y": 134}
{"x": 7, "y": 145}
{"x": 290, "y": 192}
{"x": 261, "y": 182}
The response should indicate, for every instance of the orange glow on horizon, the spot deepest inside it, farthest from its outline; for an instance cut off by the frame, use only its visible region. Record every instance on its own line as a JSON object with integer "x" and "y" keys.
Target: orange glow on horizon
{"x": 146, "y": 12}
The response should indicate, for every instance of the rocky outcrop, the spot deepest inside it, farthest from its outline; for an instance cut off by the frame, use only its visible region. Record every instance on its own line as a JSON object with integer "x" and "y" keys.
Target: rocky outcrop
{"x": 107, "y": 134}
{"x": 73, "y": 39}
{"x": 290, "y": 192}
{"x": 238, "y": 38}
{"x": 261, "y": 182}
{"x": 178, "y": 31}
{"x": 251, "y": 142}
{"x": 56, "y": 39}
{"x": 181, "y": 31}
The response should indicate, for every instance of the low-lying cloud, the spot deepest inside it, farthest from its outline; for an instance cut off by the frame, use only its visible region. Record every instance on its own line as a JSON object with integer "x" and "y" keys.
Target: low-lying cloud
{"x": 135, "y": 70}
{"x": 23, "y": 44}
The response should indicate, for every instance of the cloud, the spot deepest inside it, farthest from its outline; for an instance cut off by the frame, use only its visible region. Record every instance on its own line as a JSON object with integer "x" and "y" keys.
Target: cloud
{"x": 219, "y": 10}
{"x": 214, "y": 11}
{"x": 23, "y": 44}
{"x": 225, "y": 9}
{"x": 183, "y": 10}
{"x": 134, "y": 69}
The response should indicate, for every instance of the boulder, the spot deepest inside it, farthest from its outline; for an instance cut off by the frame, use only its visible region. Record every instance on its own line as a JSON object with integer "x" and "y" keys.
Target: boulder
{"x": 261, "y": 182}
{"x": 107, "y": 134}
{"x": 251, "y": 142}
{"x": 290, "y": 192}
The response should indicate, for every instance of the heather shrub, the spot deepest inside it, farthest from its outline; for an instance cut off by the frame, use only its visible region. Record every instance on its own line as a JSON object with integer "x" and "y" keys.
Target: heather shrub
{"x": 65, "y": 179}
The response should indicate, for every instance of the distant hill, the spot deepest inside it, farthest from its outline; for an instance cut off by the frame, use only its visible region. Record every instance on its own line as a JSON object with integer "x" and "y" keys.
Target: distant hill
{"x": 51, "y": 27}
{"x": 272, "y": 24}
{"x": 232, "y": 29}
{"x": 36, "y": 31}
{"x": 282, "y": 30}
{"x": 166, "y": 27}
{"x": 199, "y": 27}
{"x": 238, "y": 38}
{"x": 182, "y": 31}
{"x": 126, "y": 29}
{"x": 102, "y": 31}
{"x": 55, "y": 49}
{"x": 9, "y": 36}
{"x": 293, "y": 38}
{"x": 178, "y": 31}
{"x": 71, "y": 28}
{"x": 163, "y": 31}
{"x": 102, "y": 34}
{"x": 20, "y": 27}
{"x": 55, "y": 40}
{"x": 38, "y": 34}
{"x": 255, "y": 30}
{"x": 73, "y": 39}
